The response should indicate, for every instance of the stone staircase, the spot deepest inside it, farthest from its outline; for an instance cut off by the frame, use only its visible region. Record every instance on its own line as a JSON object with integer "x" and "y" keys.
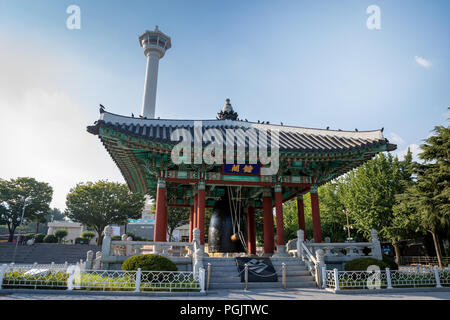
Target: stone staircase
{"x": 44, "y": 253}
{"x": 224, "y": 274}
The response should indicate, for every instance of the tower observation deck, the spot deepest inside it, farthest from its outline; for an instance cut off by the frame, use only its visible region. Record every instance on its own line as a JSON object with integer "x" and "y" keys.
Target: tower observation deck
{"x": 154, "y": 43}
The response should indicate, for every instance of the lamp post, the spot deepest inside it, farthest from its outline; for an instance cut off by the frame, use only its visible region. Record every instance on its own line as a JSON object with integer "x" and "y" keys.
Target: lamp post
{"x": 26, "y": 202}
{"x": 348, "y": 226}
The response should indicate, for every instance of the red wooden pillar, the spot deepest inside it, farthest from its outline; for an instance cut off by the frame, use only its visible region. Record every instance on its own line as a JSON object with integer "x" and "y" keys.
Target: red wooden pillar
{"x": 191, "y": 223}
{"x": 195, "y": 212}
{"x": 161, "y": 212}
{"x": 316, "y": 214}
{"x": 279, "y": 215}
{"x": 201, "y": 203}
{"x": 301, "y": 214}
{"x": 268, "y": 223}
{"x": 251, "y": 230}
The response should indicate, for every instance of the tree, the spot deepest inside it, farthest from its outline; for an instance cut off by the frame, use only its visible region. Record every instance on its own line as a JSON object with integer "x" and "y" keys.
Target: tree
{"x": 88, "y": 234}
{"x": 99, "y": 204}
{"x": 429, "y": 197}
{"x": 369, "y": 194}
{"x": 12, "y": 202}
{"x": 176, "y": 217}
{"x": 332, "y": 215}
{"x": 61, "y": 234}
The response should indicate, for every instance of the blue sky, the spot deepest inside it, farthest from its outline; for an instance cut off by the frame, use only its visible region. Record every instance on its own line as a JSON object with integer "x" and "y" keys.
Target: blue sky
{"x": 305, "y": 63}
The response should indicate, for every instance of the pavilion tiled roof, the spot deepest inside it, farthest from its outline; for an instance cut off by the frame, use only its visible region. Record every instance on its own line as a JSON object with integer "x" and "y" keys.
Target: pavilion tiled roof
{"x": 291, "y": 139}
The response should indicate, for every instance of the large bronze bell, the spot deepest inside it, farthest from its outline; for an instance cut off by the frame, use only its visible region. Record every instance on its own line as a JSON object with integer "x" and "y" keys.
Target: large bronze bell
{"x": 220, "y": 234}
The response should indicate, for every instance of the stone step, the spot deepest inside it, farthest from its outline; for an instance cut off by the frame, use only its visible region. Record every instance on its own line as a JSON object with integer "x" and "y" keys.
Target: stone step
{"x": 261, "y": 285}
{"x": 235, "y": 279}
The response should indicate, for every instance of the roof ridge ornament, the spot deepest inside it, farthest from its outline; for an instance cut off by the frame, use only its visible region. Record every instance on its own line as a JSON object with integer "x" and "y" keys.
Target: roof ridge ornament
{"x": 227, "y": 112}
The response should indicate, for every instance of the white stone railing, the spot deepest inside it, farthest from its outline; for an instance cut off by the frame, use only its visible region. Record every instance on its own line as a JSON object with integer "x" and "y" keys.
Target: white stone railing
{"x": 387, "y": 279}
{"x": 169, "y": 249}
{"x": 338, "y": 252}
{"x": 114, "y": 252}
{"x": 76, "y": 278}
{"x": 314, "y": 262}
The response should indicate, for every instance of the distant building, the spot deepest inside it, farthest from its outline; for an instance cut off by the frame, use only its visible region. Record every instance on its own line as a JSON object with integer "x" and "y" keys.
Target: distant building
{"x": 181, "y": 234}
{"x": 143, "y": 227}
{"x": 74, "y": 229}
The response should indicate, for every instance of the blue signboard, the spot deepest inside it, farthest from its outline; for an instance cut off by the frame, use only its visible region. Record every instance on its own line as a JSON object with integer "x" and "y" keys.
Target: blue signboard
{"x": 141, "y": 221}
{"x": 246, "y": 169}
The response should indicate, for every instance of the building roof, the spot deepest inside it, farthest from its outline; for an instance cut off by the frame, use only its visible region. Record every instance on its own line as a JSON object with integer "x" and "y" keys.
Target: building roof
{"x": 291, "y": 138}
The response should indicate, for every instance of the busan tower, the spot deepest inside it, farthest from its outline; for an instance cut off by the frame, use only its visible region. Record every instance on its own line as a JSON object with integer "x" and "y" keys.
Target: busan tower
{"x": 155, "y": 43}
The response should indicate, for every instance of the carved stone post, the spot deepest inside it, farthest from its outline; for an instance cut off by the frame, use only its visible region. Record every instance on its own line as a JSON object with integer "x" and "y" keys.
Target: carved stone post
{"x": 89, "y": 260}
{"x": 98, "y": 261}
{"x": 106, "y": 245}
{"x": 376, "y": 246}
{"x": 300, "y": 239}
{"x": 320, "y": 263}
{"x": 128, "y": 247}
{"x": 197, "y": 257}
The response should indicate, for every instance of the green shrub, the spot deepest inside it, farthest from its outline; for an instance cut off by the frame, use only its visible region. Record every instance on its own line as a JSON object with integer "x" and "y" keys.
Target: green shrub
{"x": 149, "y": 262}
{"x": 61, "y": 233}
{"x": 116, "y": 238}
{"x": 39, "y": 237}
{"x": 390, "y": 262}
{"x": 362, "y": 264}
{"x": 50, "y": 239}
{"x": 88, "y": 234}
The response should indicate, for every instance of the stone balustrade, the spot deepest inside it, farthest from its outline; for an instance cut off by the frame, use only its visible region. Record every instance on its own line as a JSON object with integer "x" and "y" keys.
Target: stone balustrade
{"x": 116, "y": 252}
{"x": 338, "y": 252}
{"x": 169, "y": 249}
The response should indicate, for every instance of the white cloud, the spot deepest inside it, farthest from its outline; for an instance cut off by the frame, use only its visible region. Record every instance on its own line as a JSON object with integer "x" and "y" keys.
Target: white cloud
{"x": 43, "y": 128}
{"x": 415, "y": 149}
{"x": 423, "y": 62}
{"x": 395, "y": 138}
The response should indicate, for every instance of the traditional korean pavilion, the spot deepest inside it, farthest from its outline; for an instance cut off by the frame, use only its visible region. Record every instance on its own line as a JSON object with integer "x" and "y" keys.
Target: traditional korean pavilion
{"x": 141, "y": 147}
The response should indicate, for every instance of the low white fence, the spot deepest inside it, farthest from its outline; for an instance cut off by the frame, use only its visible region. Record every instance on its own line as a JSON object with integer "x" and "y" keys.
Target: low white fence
{"x": 75, "y": 278}
{"x": 422, "y": 260}
{"x": 387, "y": 279}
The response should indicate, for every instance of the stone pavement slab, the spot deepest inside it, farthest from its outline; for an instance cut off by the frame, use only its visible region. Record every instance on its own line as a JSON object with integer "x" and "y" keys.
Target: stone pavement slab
{"x": 266, "y": 294}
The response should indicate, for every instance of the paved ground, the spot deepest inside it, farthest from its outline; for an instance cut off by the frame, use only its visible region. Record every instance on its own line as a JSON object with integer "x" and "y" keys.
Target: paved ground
{"x": 297, "y": 294}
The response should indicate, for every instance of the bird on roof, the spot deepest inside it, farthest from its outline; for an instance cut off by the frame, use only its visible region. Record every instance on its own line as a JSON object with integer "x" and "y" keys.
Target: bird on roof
{"x": 340, "y": 129}
{"x": 246, "y": 120}
{"x": 132, "y": 115}
{"x": 328, "y": 128}
{"x": 258, "y": 121}
{"x": 382, "y": 129}
{"x": 267, "y": 122}
{"x": 356, "y": 129}
{"x": 102, "y": 108}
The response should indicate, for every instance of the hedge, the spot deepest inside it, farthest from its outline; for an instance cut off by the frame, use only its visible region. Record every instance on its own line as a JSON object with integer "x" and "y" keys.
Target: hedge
{"x": 149, "y": 262}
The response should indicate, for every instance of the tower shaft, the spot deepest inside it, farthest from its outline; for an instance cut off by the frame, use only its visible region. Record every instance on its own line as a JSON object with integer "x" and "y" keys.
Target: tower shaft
{"x": 151, "y": 81}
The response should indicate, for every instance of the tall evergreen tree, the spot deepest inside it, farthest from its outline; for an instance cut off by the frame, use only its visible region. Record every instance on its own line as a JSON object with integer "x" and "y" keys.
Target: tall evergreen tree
{"x": 429, "y": 198}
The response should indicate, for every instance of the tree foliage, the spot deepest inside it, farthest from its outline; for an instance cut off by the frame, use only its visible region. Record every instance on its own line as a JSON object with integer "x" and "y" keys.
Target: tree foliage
{"x": 177, "y": 216}
{"x": 428, "y": 198}
{"x": 99, "y": 204}
{"x": 12, "y": 201}
{"x": 61, "y": 234}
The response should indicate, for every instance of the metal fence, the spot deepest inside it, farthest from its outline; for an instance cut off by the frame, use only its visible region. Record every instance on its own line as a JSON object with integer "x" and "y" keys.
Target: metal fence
{"x": 422, "y": 260}
{"x": 387, "y": 279}
{"x": 74, "y": 278}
